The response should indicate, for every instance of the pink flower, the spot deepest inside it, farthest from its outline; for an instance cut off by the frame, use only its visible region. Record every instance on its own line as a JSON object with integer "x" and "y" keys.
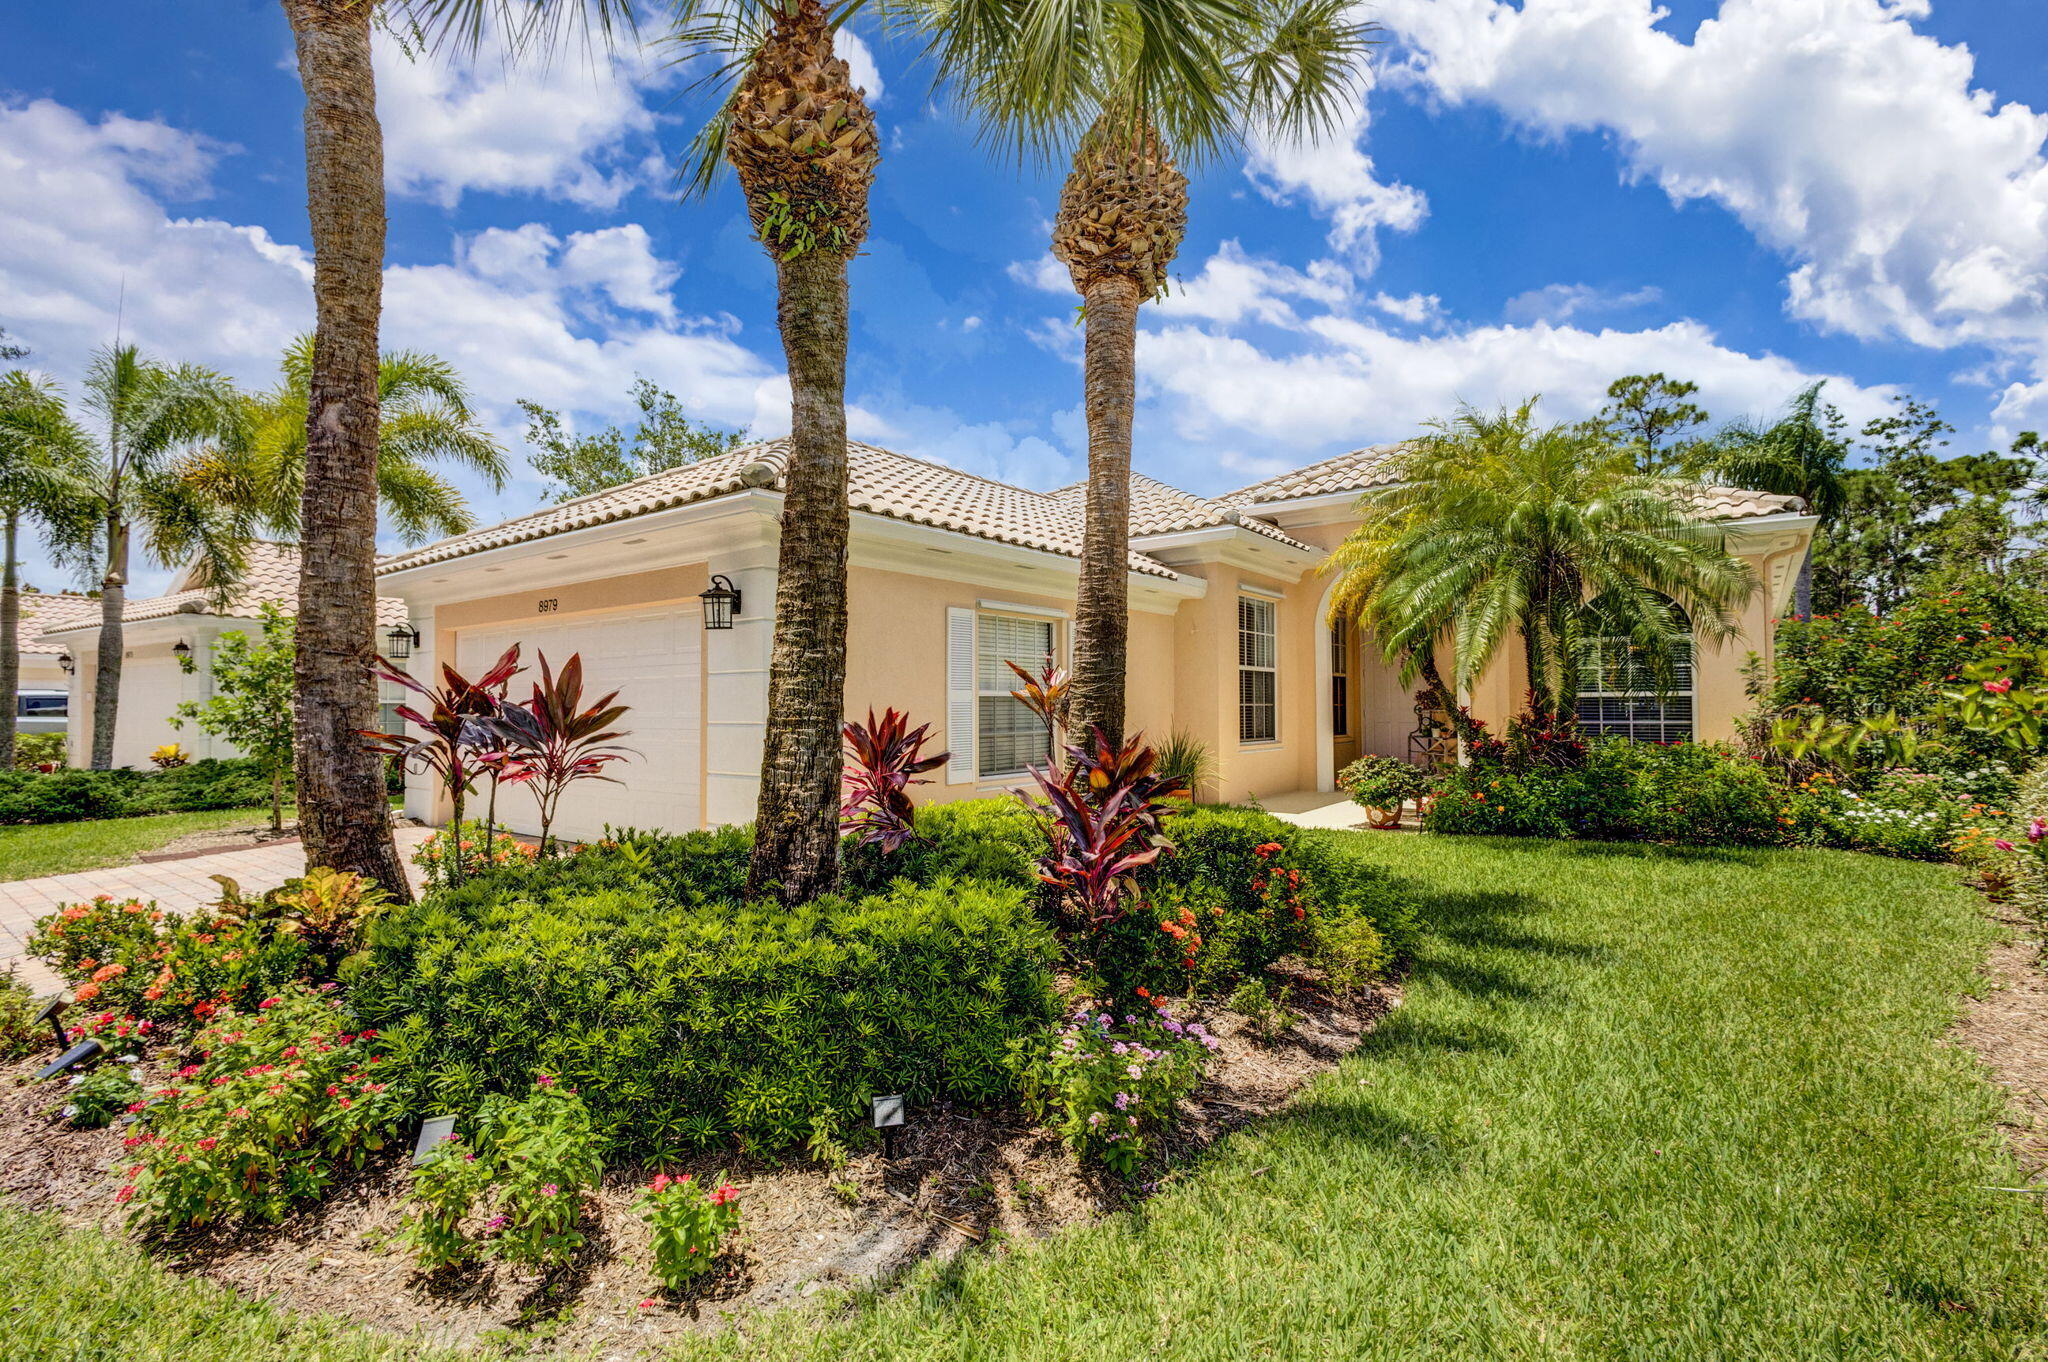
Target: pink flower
{"x": 2000, "y": 686}
{"x": 549, "y": 1190}
{"x": 126, "y": 1194}
{"x": 660, "y": 1183}
{"x": 266, "y": 1003}
{"x": 725, "y": 1193}
{"x": 545, "y": 1081}
{"x": 647, "y": 1305}
{"x": 2036, "y": 830}
{"x": 2003, "y": 845}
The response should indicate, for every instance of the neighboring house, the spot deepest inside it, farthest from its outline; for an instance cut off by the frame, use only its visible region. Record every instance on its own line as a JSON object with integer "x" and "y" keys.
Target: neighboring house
{"x": 41, "y": 705}
{"x": 949, "y": 576}
{"x": 192, "y": 616}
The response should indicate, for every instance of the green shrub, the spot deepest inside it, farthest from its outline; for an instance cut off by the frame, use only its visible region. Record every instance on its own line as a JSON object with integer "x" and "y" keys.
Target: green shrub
{"x": 529, "y": 1162}
{"x": 997, "y": 841}
{"x": 71, "y": 796}
{"x": 102, "y": 1095}
{"x": 1352, "y": 953}
{"x": 682, "y": 1021}
{"x": 1384, "y": 782}
{"x": 1111, "y": 1087}
{"x": 19, "y": 1033}
{"x": 131, "y": 957}
{"x": 285, "y": 1096}
{"x": 32, "y": 750}
{"x": 1917, "y": 815}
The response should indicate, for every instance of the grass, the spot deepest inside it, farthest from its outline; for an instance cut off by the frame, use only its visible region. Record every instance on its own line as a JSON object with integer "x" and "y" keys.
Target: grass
{"x": 1638, "y": 1104}
{"x": 30, "y": 850}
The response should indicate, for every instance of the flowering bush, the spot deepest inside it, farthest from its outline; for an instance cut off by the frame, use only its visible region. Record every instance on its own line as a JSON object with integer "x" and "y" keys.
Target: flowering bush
{"x": 1913, "y": 814}
{"x": 20, "y": 1034}
{"x": 1384, "y": 782}
{"x": 1111, "y": 1085}
{"x": 168, "y": 756}
{"x": 98, "y": 1097}
{"x": 478, "y": 852}
{"x": 528, "y": 1163}
{"x": 689, "y": 1223}
{"x": 281, "y": 1099}
{"x": 133, "y": 957}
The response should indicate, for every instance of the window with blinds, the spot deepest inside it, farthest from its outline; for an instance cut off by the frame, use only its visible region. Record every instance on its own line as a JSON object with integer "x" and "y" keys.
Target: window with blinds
{"x": 1618, "y": 696}
{"x": 1009, "y": 736}
{"x": 1340, "y": 678}
{"x": 1258, "y": 679}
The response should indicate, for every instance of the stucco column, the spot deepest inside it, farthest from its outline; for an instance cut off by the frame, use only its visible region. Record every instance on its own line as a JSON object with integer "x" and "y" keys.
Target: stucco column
{"x": 736, "y": 689}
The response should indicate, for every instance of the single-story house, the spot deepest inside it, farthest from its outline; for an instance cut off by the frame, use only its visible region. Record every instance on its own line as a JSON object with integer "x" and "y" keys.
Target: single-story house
{"x": 191, "y": 616}
{"x": 40, "y": 704}
{"x": 951, "y": 575}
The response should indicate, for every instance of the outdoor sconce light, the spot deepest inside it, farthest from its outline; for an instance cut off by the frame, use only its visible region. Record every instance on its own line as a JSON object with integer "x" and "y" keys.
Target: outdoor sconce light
{"x": 64, "y": 661}
{"x": 721, "y": 602}
{"x": 403, "y": 638}
{"x": 182, "y": 649}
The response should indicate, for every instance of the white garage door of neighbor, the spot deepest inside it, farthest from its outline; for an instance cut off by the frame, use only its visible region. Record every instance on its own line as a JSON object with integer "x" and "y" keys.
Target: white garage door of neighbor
{"x": 653, "y": 658}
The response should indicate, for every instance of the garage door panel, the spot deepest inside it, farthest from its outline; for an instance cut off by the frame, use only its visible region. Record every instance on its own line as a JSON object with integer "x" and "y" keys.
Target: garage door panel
{"x": 653, "y": 659}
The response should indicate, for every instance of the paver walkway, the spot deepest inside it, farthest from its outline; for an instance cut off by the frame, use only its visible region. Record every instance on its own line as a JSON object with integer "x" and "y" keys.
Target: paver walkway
{"x": 177, "y": 886}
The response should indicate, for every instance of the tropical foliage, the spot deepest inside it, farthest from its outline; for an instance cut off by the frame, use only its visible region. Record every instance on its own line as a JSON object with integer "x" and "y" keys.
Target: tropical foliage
{"x": 43, "y": 460}
{"x": 251, "y": 704}
{"x": 666, "y": 437}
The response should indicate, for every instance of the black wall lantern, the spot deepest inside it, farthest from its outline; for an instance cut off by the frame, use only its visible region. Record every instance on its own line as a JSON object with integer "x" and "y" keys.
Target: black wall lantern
{"x": 182, "y": 649}
{"x": 721, "y": 602}
{"x": 403, "y": 638}
{"x": 64, "y": 661}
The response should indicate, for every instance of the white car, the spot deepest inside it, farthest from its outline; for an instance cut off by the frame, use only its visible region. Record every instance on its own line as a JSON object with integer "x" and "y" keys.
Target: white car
{"x": 42, "y": 711}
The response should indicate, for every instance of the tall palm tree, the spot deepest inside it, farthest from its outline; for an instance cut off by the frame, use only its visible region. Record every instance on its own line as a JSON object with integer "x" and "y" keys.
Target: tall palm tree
{"x": 802, "y": 143}
{"x": 1801, "y": 454}
{"x": 1129, "y": 90}
{"x": 341, "y": 783}
{"x": 43, "y": 461}
{"x": 423, "y": 417}
{"x": 1500, "y": 527}
{"x": 148, "y": 418}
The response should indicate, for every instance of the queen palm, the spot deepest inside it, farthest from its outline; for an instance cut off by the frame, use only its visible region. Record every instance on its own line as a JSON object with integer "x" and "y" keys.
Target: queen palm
{"x": 423, "y": 417}
{"x": 148, "y": 417}
{"x": 802, "y": 143}
{"x": 343, "y": 818}
{"x": 1801, "y": 454}
{"x": 1500, "y": 527}
{"x": 1130, "y": 90}
{"x": 43, "y": 460}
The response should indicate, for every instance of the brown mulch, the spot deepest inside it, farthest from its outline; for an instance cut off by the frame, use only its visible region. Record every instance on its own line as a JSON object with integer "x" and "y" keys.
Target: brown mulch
{"x": 2006, "y": 1024}
{"x": 960, "y": 1179}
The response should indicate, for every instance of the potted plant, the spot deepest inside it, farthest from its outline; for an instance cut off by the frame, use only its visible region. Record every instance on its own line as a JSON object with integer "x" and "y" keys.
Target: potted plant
{"x": 1383, "y": 785}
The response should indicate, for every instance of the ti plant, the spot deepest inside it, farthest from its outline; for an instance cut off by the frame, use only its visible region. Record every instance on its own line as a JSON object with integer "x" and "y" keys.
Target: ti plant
{"x": 553, "y": 740}
{"x": 1105, "y": 809}
{"x": 884, "y": 759}
{"x": 1044, "y": 693}
{"x": 456, "y": 718}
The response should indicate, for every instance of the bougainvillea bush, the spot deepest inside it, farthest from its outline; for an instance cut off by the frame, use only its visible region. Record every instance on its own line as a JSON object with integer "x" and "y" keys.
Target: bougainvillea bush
{"x": 283, "y": 1098}
{"x": 687, "y": 1023}
{"x": 1110, "y": 1083}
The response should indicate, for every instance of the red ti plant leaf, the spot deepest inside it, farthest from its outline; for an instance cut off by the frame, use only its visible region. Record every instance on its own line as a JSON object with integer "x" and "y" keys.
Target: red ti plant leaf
{"x": 884, "y": 759}
{"x": 1105, "y": 809}
{"x": 553, "y": 740}
{"x": 455, "y": 716}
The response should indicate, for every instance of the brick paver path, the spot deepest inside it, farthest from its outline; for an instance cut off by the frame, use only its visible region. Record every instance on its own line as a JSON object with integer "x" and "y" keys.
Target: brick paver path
{"x": 177, "y": 886}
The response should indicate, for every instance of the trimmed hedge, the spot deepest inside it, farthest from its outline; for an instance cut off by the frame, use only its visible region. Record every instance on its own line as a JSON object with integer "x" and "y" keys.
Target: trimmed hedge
{"x": 71, "y": 796}
{"x": 686, "y": 1022}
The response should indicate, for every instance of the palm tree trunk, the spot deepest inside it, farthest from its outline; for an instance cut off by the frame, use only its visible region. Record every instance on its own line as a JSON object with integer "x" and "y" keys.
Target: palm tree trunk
{"x": 1802, "y": 588}
{"x": 106, "y": 678}
{"x": 1095, "y": 698}
{"x": 796, "y": 827}
{"x": 343, "y": 818}
{"x": 10, "y": 648}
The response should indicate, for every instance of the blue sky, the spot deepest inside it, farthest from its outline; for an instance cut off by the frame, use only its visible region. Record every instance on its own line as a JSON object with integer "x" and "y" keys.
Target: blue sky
{"x": 1532, "y": 197}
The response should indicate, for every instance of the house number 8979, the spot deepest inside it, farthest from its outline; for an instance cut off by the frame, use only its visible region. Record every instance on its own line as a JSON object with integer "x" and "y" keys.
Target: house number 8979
{"x": 549, "y": 605}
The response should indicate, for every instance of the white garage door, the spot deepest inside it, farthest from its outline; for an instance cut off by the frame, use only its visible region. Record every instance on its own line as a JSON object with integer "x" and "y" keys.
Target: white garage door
{"x": 653, "y": 659}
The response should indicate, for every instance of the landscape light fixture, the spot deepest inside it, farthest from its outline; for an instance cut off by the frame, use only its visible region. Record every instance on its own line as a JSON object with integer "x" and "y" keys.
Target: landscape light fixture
{"x": 433, "y": 1130}
{"x": 52, "y": 1010}
{"x": 721, "y": 602}
{"x": 78, "y": 1054}
{"x": 403, "y": 638}
{"x": 888, "y": 1116}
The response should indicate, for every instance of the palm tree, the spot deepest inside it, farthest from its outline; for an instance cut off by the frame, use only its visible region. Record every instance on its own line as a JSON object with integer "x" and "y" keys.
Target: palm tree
{"x": 1801, "y": 454}
{"x": 423, "y": 417}
{"x": 148, "y": 416}
{"x": 1128, "y": 89}
{"x": 1499, "y": 526}
{"x": 803, "y": 145}
{"x": 43, "y": 461}
{"x": 341, "y": 783}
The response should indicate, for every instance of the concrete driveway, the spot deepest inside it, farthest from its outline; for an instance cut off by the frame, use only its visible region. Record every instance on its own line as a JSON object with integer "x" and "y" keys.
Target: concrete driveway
{"x": 176, "y": 886}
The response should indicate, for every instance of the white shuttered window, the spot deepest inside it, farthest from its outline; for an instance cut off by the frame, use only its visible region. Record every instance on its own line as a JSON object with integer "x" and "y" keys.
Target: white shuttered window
{"x": 1258, "y": 679}
{"x": 1010, "y": 736}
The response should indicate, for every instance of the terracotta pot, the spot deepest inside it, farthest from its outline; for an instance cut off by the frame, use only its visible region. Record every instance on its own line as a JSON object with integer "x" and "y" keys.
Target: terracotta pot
{"x": 1383, "y": 818}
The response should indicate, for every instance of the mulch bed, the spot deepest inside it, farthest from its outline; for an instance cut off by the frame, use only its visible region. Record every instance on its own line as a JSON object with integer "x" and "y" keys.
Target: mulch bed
{"x": 2006, "y": 1024}
{"x": 960, "y": 1180}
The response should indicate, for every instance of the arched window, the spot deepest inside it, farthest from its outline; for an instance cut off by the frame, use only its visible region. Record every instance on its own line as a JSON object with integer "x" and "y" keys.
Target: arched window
{"x": 1618, "y": 696}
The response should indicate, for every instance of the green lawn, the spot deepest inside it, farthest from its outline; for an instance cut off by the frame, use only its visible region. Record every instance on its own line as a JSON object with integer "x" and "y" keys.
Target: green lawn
{"x": 27, "y": 851}
{"x": 1639, "y": 1104}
